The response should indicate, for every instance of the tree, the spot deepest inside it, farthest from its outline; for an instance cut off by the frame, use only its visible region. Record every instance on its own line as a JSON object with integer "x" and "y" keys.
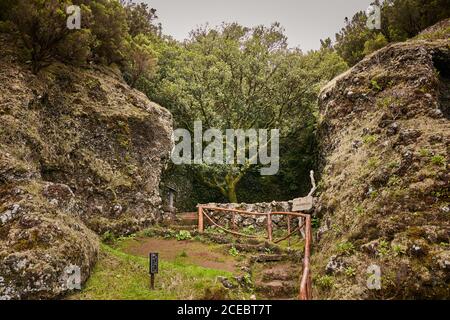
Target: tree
{"x": 351, "y": 39}
{"x": 141, "y": 62}
{"x": 42, "y": 28}
{"x": 401, "y": 20}
{"x": 240, "y": 78}
{"x": 140, "y": 18}
{"x": 372, "y": 45}
{"x": 110, "y": 29}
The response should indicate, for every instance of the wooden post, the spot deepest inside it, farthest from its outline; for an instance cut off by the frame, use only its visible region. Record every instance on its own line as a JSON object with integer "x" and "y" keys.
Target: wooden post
{"x": 269, "y": 226}
{"x": 200, "y": 220}
{"x": 289, "y": 229}
{"x": 152, "y": 281}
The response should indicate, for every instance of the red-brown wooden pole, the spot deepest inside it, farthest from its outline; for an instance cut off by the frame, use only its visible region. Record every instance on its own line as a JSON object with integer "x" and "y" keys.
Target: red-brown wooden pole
{"x": 305, "y": 284}
{"x": 200, "y": 220}
{"x": 289, "y": 229}
{"x": 269, "y": 226}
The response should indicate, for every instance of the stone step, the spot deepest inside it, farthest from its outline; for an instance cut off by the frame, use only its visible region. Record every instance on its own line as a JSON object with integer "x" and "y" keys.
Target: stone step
{"x": 277, "y": 289}
{"x": 268, "y": 258}
{"x": 282, "y": 274}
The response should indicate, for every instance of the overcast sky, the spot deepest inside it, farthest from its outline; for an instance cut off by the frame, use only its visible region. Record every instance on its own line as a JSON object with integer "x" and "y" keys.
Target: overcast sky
{"x": 305, "y": 21}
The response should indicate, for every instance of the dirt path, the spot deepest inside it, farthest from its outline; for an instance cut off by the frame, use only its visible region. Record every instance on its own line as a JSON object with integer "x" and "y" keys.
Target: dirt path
{"x": 187, "y": 251}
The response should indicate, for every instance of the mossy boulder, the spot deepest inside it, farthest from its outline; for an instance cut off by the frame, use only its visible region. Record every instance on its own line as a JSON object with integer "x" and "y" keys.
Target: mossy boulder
{"x": 80, "y": 153}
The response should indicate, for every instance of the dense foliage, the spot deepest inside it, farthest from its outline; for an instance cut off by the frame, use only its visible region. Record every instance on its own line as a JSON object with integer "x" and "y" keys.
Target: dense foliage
{"x": 400, "y": 20}
{"x": 235, "y": 77}
{"x": 111, "y": 33}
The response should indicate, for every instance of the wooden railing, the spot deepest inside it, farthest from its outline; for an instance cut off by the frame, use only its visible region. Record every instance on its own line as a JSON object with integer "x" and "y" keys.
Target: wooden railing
{"x": 305, "y": 281}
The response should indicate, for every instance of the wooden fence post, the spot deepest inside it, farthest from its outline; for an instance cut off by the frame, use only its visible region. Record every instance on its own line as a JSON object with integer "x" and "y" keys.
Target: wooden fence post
{"x": 289, "y": 229}
{"x": 200, "y": 220}
{"x": 269, "y": 226}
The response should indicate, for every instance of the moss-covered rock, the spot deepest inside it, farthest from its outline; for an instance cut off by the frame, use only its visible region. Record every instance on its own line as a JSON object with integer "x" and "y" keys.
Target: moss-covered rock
{"x": 384, "y": 137}
{"x": 79, "y": 151}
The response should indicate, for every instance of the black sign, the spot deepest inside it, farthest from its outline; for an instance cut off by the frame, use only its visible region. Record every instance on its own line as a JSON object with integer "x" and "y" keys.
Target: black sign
{"x": 154, "y": 259}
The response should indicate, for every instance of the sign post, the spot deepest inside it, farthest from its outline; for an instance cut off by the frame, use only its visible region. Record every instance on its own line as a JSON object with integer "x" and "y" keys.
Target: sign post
{"x": 153, "y": 268}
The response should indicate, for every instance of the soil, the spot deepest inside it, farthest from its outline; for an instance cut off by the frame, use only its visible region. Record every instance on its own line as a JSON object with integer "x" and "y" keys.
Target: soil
{"x": 196, "y": 253}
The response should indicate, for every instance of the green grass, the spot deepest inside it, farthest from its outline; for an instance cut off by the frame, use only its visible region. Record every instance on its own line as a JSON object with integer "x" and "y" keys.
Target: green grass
{"x": 120, "y": 276}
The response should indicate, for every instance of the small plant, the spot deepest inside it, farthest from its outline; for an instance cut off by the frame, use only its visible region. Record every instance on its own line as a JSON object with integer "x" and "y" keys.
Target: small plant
{"x": 148, "y": 233}
{"x": 247, "y": 280}
{"x": 345, "y": 247}
{"x": 183, "y": 235}
{"x": 385, "y": 102}
{"x": 383, "y": 248}
{"x": 183, "y": 254}
{"x": 350, "y": 272}
{"x": 359, "y": 210}
{"x": 249, "y": 230}
{"x": 425, "y": 153}
{"x": 108, "y": 237}
{"x": 372, "y": 163}
{"x": 394, "y": 181}
{"x": 374, "y": 194}
{"x": 393, "y": 165}
{"x": 375, "y": 85}
{"x": 398, "y": 250}
{"x": 315, "y": 222}
{"x": 233, "y": 251}
{"x": 325, "y": 282}
{"x": 370, "y": 139}
{"x": 268, "y": 250}
{"x": 438, "y": 160}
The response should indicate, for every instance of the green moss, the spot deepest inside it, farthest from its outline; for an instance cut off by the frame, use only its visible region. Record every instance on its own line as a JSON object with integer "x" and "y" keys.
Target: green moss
{"x": 438, "y": 160}
{"x": 370, "y": 139}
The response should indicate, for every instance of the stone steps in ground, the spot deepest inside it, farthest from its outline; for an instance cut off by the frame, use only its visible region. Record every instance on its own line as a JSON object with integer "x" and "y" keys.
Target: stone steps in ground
{"x": 278, "y": 281}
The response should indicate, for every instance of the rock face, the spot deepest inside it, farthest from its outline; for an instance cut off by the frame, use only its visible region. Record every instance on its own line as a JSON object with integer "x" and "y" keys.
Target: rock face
{"x": 80, "y": 153}
{"x": 385, "y": 135}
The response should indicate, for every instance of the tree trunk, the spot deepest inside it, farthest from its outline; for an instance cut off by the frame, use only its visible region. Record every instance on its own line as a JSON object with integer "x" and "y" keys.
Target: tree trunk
{"x": 232, "y": 197}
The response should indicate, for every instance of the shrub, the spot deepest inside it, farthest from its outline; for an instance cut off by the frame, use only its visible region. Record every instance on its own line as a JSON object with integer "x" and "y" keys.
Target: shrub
{"x": 42, "y": 28}
{"x": 325, "y": 282}
{"x": 183, "y": 235}
{"x": 345, "y": 247}
{"x": 233, "y": 251}
{"x": 108, "y": 237}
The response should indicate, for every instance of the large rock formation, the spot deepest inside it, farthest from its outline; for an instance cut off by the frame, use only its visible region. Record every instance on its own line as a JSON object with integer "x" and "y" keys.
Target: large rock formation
{"x": 80, "y": 151}
{"x": 385, "y": 138}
